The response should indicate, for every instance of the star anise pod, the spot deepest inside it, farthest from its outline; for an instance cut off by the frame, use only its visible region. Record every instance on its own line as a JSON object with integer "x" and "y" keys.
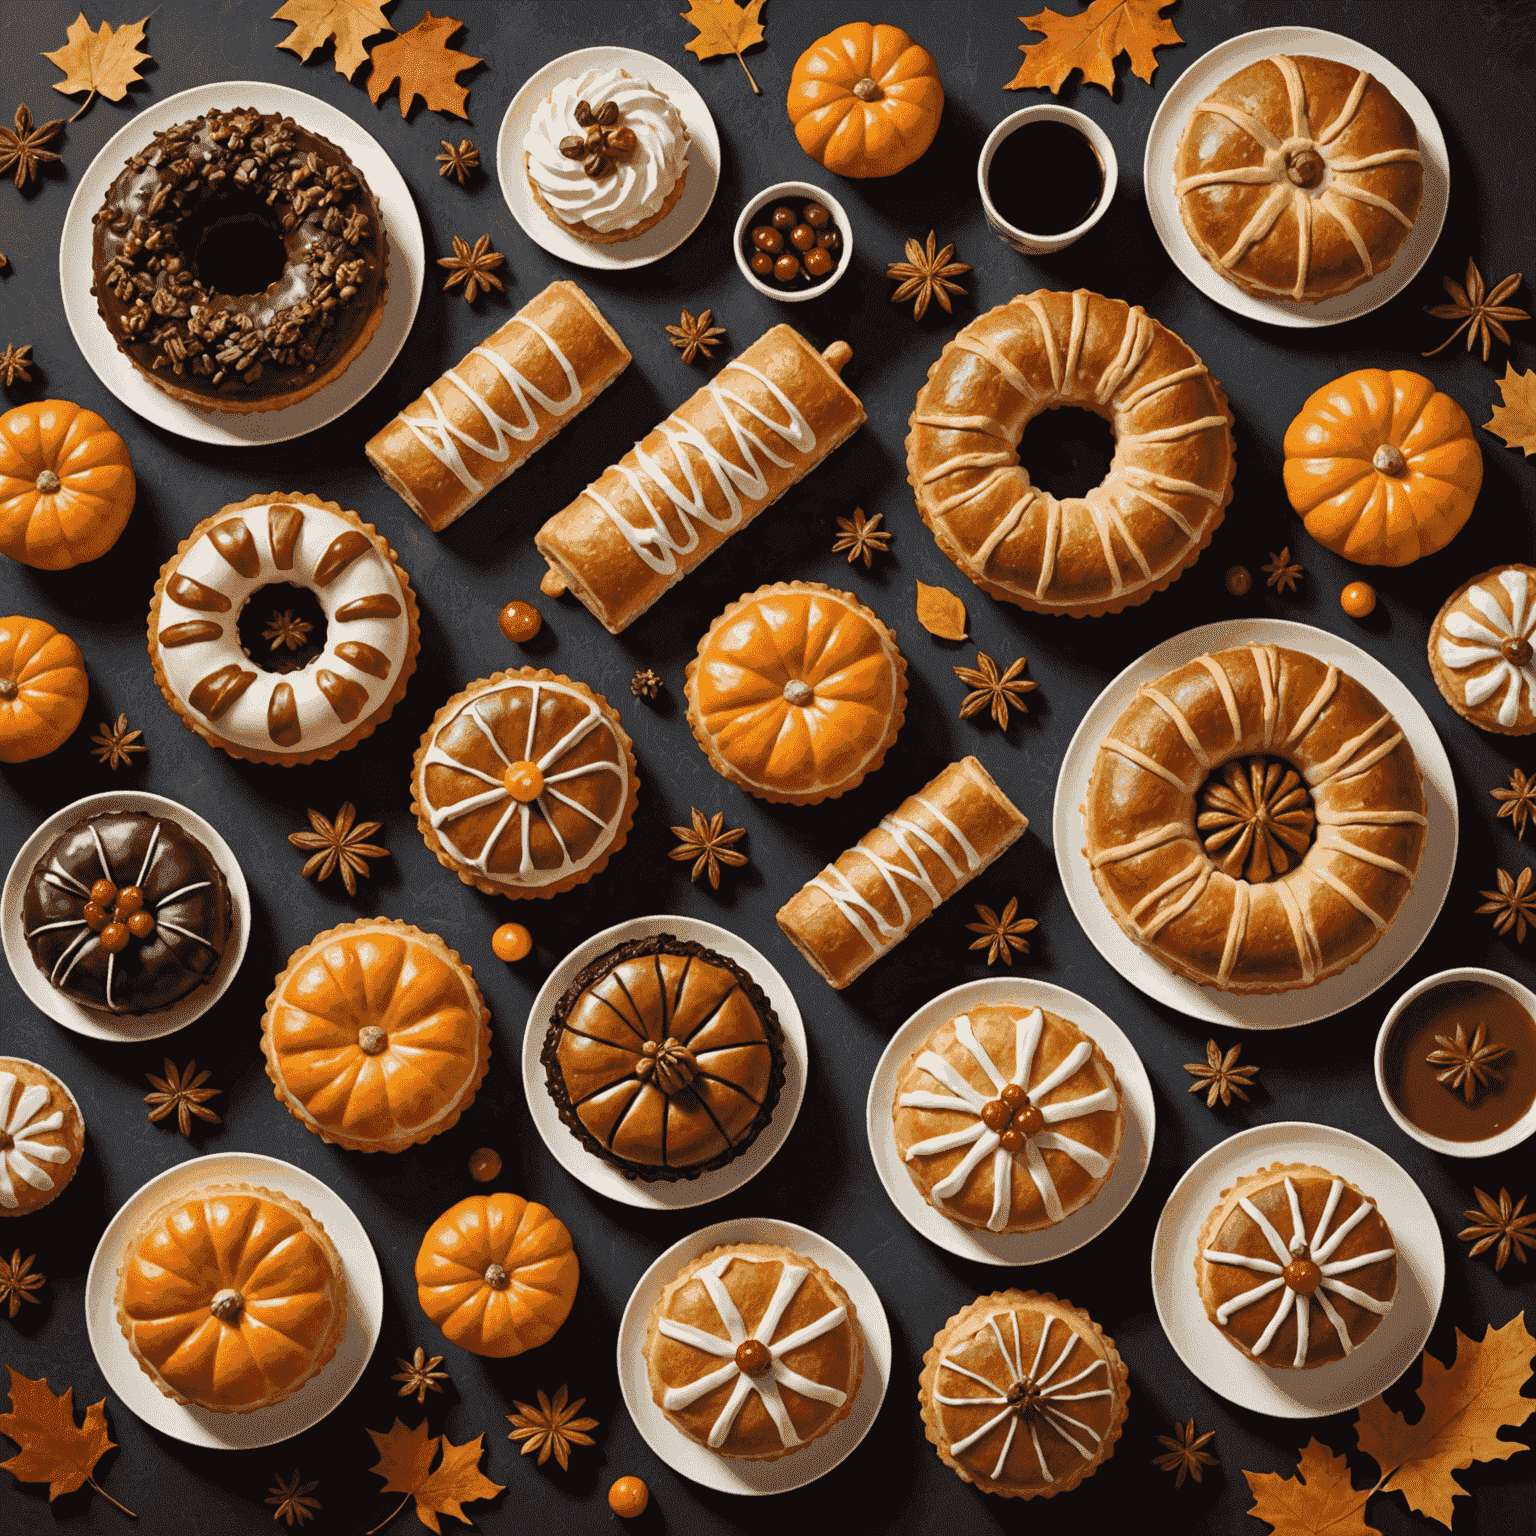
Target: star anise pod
{"x": 1499, "y": 1223}
{"x": 1482, "y": 314}
{"x": 925, "y": 275}
{"x": 340, "y": 845}
{"x": 183, "y": 1093}
{"x": 1219, "y": 1077}
{"x": 552, "y": 1426}
{"x": 1513, "y": 905}
{"x": 645, "y": 684}
{"x": 420, "y": 1374}
{"x": 292, "y": 1499}
{"x": 994, "y": 690}
{"x": 1469, "y": 1064}
{"x": 114, "y": 745}
{"x": 1003, "y": 936}
{"x": 473, "y": 266}
{"x": 284, "y": 629}
{"x": 862, "y": 537}
{"x": 16, "y": 363}
{"x": 21, "y": 147}
{"x": 1518, "y": 802}
{"x": 1284, "y": 573}
{"x": 458, "y": 160}
{"x": 1186, "y": 1453}
{"x": 708, "y": 843}
{"x": 694, "y": 334}
{"x": 18, "y": 1280}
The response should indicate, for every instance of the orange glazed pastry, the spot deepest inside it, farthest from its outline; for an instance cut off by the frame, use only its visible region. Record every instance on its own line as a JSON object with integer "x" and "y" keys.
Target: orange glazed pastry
{"x": 42, "y": 1136}
{"x": 1482, "y": 650}
{"x": 231, "y": 1298}
{"x": 754, "y": 1350}
{"x": 376, "y": 1036}
{"x": 797, "y": 692}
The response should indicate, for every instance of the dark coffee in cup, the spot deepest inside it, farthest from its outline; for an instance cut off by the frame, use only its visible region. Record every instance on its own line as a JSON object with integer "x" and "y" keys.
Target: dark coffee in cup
{"x": 1045, "y": 178}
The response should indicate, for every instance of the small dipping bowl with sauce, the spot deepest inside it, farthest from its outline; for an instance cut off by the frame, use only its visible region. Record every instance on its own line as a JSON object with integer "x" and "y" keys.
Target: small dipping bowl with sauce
{"x": 1046, "y": 176}
{"x": 1429, "y": 1099}
{"x": 788, "y": 238}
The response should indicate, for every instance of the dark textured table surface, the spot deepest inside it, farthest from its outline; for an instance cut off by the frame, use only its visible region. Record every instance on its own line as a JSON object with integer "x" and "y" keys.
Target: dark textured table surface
{"x": 1474, "y": 59}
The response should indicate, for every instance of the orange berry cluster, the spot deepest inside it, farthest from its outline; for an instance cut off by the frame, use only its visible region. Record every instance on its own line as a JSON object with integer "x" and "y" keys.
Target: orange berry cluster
{"x": 113, "y": 915}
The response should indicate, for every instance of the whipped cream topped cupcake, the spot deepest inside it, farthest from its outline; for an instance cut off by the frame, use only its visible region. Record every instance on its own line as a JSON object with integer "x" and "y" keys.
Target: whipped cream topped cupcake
{"x": 606, "y": 156}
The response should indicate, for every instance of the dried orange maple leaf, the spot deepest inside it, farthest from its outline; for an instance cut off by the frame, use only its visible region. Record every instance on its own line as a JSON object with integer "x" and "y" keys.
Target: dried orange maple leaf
{"x": 1091, "y": 41}
{"x": 940, "y": 612}
{"x": 725, "y": 27}
{"x": 404, "y": 1457}
{"x": 1319, "y": 1499}
{"x": 54, "y": 1450}
{"x": 1515, "y": 419}
{"x": 103, "y": 63}
{"x": 345, "y": 22}
{"x": 425, "y": 66}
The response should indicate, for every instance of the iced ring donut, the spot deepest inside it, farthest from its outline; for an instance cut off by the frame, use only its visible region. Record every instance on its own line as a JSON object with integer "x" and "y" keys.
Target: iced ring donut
{"x": 365, "y": 653}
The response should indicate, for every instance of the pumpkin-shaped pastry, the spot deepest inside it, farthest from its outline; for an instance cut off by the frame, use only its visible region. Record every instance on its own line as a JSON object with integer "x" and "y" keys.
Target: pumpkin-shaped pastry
{"x": 66, "y": 485}
{"x": 376, "y": 1036}
{"x": 497, "y": 1274}
{"x": 797, "y": 692}
{"x": 231, "y": 1298}
{"x": 1482, "y": 650}
{"x": 1382, "y": 466}
{"x": 865, "y": 100}
{"x": 43, "y": 689}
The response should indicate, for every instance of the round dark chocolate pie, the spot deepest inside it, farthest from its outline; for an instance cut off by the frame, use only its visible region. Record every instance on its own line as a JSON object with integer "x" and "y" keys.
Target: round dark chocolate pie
{"x": 127, "y": 912}
{"x": 665, "y": 1058}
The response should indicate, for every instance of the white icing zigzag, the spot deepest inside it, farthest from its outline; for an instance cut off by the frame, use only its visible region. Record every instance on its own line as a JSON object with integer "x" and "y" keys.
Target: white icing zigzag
{"x": 20, "y": 1159}
{"x": 1497, "y": 646}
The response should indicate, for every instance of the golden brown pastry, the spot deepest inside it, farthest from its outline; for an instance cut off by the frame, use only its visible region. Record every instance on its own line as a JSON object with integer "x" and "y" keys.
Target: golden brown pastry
{"x": 42, "y": 1136}
{"x": 1482, "y": 650}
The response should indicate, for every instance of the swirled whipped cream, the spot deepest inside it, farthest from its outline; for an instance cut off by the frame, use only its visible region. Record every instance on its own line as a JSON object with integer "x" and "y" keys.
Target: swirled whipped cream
{"x": 635, "y": 185}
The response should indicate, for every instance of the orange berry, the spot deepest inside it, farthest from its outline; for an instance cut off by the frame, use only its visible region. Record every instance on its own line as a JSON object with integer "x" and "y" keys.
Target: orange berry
{"x": 141, "y": 924}
{"x": 95, "y": 917}
{"x": 511, "y": 942}
{"x": 484, "y": 1165}
{"x": 113, "y": 937}
{"x": 129, "y": 899}
{"x": 521, "y": 621}
{"x": 1358, "y": 599}
{"x": 628, "y": 1498}
{"x": 1239, "y": 579}
{"x": 103, "y": 893}
{"x": 523, "y": 781}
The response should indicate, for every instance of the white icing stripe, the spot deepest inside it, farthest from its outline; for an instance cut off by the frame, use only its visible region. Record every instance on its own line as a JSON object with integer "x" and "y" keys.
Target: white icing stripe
{"x": 19, "y": 1120}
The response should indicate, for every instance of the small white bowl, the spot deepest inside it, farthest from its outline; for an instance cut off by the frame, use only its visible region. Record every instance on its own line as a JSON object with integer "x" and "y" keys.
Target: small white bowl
{"x": 785, "y": 191}
{"x": 1022, "y": 240}
{"x": 1506, "y": 1139}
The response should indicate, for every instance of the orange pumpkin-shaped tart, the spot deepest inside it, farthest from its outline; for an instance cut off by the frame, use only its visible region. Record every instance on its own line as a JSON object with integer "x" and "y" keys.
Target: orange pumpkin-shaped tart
{"x": 66, "y": 485}
{"x": 1382, "y": 466}
{"x": 797, "y": 692}
{"x": 376, "y": 1036}
{"x": 497, "y": 1274}
{"x": 231, "y": 1298}
{"x": 43, "y": 688}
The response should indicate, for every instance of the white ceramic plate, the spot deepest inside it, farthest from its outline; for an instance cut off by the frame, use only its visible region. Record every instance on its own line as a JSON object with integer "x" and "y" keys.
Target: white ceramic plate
{"x": 1376, "y": 1364}
{"x": 1081, "y": 1226}
{"x": 124, "y": 1027}
{"x": 317, "y": 1397}
{"x": 1208, "y": 72}
{"x": 728, "y": 1474}
{"x": 662, "y": 1194}
{"x": 1303, "y": 1005}
{"x": 407, "y": 264}
{"x": 703, "y": 160}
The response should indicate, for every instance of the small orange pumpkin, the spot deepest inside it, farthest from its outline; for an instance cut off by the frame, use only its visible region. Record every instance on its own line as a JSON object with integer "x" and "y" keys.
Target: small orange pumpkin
{"x": 1382, "y": 466}
{"x": 66, "y": 485}
{"x": 865, "y": 100}
{"x": 497, "y": 1274}
{"x": 43, "y": 689}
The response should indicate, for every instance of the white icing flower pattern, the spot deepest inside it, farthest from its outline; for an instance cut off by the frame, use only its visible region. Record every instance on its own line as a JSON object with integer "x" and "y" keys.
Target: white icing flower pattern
{"x": 20, "y": 1153}
{"x": 1502, "y": 649}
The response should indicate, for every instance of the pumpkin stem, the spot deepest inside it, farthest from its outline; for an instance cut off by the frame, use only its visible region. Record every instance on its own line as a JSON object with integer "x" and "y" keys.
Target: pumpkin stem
{"x": 226, "y": 1305}
{"x": 1389, "y": 459}
{"x": 48, "y": 483}
{"x": 496, "y": 1277}
{"x": 371, "y": 1039}
{"x": 866, "y": 89}
{"x": 7, "y": 688}
{"x": 797, "y": 692}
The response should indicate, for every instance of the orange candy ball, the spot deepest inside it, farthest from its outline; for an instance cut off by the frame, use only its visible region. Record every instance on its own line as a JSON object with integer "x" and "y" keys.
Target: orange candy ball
{"x": 484, "y": 1165}
{"x": 113, "y": 937}
{"x": 1239, "y": 580}
{"x": 103, "y": 893}
{"x": 521, "y": 621}
{"x": 523, "y": 781}
{"x": 628, "y": 1498}
{"x": 140, "y": 924}
{"x": 511, "y": 942}
{"x": 1358, "y": 599}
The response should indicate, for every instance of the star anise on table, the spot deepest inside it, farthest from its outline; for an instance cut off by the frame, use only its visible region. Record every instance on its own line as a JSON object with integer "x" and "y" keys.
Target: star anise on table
{"x": 339, "y": 845}
{"x": 708, "y": 842}
{"x": 294, "y": 1504}
{"x": 1482, "y": 314}
{"x": 925, "y": 275}
{"x": 1512, "y": 905}
{"x": 646, "y": 684}
{"x": 1518, "y": 802}
{"x": 551, "y": 1427}
{"x": 862, "y": 537}
{"x": 694, "y": 334}
{"x": 1220, "y": 1077}
{"x": 1499, "y": 1222}
{"x": 284, "y": 629}
{"x": 182, "y": 1093}
{"x": 16, "y": 363}
{"x": 21, "y": 147}
{"x": 18, "y": 1280}
{"x": 1187, "y": 1455}
{"x": 458, "y": 160}
{"x": 473, "y": 266}
{"x": 1284, "y": 574}
{"x": 420, "y": 1374}
{"x": 1469, "y": 1064}
{"x": 993, "y": 689}
{"x": 1003, "y": 936}
{"x": 114, "y": 745}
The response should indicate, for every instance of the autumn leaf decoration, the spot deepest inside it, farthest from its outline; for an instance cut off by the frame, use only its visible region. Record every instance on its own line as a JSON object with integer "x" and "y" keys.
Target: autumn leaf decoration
{"x": 103, "y": 63}
{"x": 1091, "y": 41}
{"x": 54, "y": 1449}
{"x": 725, "y": 27}
{"x": 425, "y": 66}
{"x": 1515, "y": 419}
{"x": 344, "y": 22}
{"x": 405, "y": 1455}
{"x": 1465, "y": 1406}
